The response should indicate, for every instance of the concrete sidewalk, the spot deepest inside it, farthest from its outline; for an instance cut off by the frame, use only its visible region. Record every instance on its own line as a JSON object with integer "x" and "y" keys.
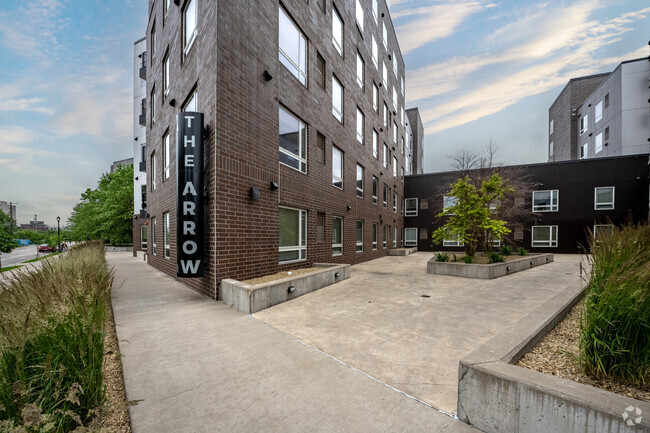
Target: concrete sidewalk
{"x": 195, "y": 365}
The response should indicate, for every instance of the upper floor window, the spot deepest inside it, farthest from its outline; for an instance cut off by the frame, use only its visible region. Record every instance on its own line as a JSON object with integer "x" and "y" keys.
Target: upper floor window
{"x": 191, "y": 104}
{"x": 550, "y": 149}
{"x": 166, "y": 7}
{"x": 394, "y": 167}
{"x": 394, "y": 202}
{"x": 153, "y": 42}
{"x": 189, "y": 25}
{"x": 607, "y": 100}
{"x": 359, "y": 181}
{"x": 337, "y": 99}
{"x": 584, "y": 124}
{"x": 395, "y": 65}
{"x": 375, "y": 188}
{"x": 449, "y": 201}
{"x": 337, "y": 167}
{"x": 598, "y": 143}
{"x": 385, "y": 115}
{"x": 384, "y": 75}
{"x": 544, "y": 236}
{"x": 337, "y": 31}
{"x": 375, "y": 52}
{"x": 374, "y": 9}
{"x": 385, "y": 155}
{"x": 395, "y": 132}
{"x": 293, "y": 141}
{"x": 385, "y": 197}
{"x": 375, "y": 144}
{"x": 166, "y": 155}
{"x": 604, "y": 197}
{"x": 545, "y": 201}
{"x": 402, "y": 88}
{"x": 360, "y": 70}
{"x": 360, "y": 122}
{"x": 153, "y": 171}
{"x": 320, "y": 70}
{"x": 550, "y": 127}
{"x": 167, "y": 235}
{"x": 411, "y": 207}
{"x": 583, "y": 151}
{"x": 385, "y": 35}
{"x": 292, "y": 47}
{"x": 598, "y": 112}
{"x": 359, "y": 16}
{"x": 165, "y": 74}
{"x": 375, "y": 97}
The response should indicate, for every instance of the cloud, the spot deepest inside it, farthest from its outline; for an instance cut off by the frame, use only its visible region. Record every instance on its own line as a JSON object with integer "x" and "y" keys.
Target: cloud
{"x": 13, "y": 137}
{"x": 25, "y": 104}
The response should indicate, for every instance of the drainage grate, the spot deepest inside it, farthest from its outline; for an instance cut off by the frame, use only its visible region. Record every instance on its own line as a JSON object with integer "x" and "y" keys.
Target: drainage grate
{"x": 425, "y": 296}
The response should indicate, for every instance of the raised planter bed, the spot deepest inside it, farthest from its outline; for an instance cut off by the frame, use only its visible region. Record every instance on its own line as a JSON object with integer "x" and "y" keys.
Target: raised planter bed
{"x": 487, "y": 272}
{"x": 253, "y": 298}
{"x": 402, "y": 251}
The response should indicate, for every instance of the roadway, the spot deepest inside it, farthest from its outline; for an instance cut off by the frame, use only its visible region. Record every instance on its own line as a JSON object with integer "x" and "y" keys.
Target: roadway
{"x": 19, "y": 255}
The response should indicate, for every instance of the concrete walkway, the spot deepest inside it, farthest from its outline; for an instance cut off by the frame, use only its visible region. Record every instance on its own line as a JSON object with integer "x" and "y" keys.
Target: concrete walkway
{"x": 410, "y": 329}
{"x": 194, "y": 365}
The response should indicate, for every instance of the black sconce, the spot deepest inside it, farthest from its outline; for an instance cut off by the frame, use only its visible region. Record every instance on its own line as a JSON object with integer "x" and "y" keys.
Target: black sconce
{"x": 267, "y": 76}
{"x": 254, "y": 193}
{"x": 349, "y": 208}
{"x": 172, "y": 102}
{"x": 135, "y": 138}
{"x": 507, "y": 268}
{"x": 273, "y": 186}
{"x": 291, "y": 289}
{"x": 177, "y": 2}
{"x": 336, "y": 275}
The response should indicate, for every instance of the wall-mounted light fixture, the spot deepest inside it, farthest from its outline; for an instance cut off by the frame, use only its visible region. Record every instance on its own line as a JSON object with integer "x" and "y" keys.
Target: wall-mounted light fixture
{"x": 135, "y": 138}
{"x": 254, "y": 193}
{"x": 291, "y": 289}
{"x": 267, "y": 75}
{"x": 172, "y": 102}
{"x": 273, "y": 186}
{"x": 336, "y": 274}
{"x": 507, "y": 268}
{"x": 349, "y": 208}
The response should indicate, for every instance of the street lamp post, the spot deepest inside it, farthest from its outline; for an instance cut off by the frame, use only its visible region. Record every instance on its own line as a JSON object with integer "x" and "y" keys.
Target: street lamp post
{"x": 58, "y": 232}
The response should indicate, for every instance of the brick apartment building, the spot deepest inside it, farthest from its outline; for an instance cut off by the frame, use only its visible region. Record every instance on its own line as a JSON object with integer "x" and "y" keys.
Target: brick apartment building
{"x": 306, "y": 140}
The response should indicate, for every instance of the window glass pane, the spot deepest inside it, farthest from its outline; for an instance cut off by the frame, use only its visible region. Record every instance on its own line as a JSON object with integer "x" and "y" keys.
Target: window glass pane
{"x": 337, "y": 167}
{"x": 337, "y": 99}
{"x": 605, "y": 198}
{"x": 359, "y": 16}
{"x": 360, "y": 66}
{"x": 599, "y": 111}
{"x": 375, "y": 97}
{"x": 375, "y": 51}
{"x": 293, "y": 136}
{"x": 293, "y": 47}
{"x": 375, "y": 143}
{"x": 359, "y": 181}
{"x": 598, "y": 143}
{"x": 337, "y": 236}
{"x": 359, "y": 126}
{"x": 289, "y": 227}
{"x": 190, "y": 23}
{"x": 337, "y": 31}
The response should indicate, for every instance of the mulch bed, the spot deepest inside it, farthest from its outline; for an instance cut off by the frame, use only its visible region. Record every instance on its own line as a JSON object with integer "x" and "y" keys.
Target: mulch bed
{"x": 556, "y": 355}
{"x": 280, "y": 275}
{"x": 481, "y": 258}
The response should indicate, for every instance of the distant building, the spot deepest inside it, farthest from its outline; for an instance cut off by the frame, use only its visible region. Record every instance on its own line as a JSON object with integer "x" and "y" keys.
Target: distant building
{"x": 9, "y": 209}
{"x": 602, "y": 115}
{"x": 117, "y": 164}
{"x": 36, "y": 225}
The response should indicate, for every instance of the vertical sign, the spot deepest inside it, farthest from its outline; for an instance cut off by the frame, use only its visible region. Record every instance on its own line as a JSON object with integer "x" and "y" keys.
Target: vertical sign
{"x": 189, "y": 195}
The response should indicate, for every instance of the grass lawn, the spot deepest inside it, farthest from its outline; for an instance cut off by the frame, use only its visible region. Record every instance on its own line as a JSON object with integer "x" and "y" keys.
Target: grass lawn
{"x": 40, "y": 258}
{"x": 9, "y": 268}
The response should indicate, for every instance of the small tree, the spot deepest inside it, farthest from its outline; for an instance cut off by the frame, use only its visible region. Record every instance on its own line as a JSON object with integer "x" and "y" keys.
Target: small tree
{"x": 7, "y": 242}
{"x": 469, "y": 218}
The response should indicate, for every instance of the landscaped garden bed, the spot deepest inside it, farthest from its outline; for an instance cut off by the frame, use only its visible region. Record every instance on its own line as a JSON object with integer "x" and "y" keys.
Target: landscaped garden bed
{"x": 481, "y": 268}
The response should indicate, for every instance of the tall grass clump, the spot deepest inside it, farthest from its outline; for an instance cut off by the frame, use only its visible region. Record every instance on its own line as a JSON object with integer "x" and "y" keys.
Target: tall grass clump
{"x": 615, "y": 324}
{"x": 52, "y": 342}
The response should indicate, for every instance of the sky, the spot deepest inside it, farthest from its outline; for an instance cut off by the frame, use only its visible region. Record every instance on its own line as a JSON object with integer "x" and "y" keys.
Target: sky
{"x": 478, "y": 71}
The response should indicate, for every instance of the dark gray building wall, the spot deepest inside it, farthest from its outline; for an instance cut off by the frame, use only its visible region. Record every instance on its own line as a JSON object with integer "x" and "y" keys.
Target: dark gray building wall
{"x": 415, "y": 122}
{"x": 575, "y": 181}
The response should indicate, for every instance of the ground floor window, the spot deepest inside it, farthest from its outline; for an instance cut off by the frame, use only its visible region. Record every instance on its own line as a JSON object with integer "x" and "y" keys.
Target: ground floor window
{"x": 604, "y": 197}
{"x": 385, "y": 236}
{"x": 293, "y": 234}
{"x": 395, "y": 237}
{"x": 143, "y": 237}
{"x": 544, "y": 236}
{"x": 602, "y": 229}
{"x": 374, "y": 236}
{"x": 167, "y": 235}
{"x": 453, "y": 241}
{"x": 410, "y": 237}
{"x": 359, "y": 236}
{"x": 337, "y": 236}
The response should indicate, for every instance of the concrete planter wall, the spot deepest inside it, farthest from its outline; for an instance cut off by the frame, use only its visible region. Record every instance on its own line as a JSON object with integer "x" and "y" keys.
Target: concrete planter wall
{"x": 251, "y": 299}
{"x": 487, "y": 272}
{"x": 118, "y": 249}
{"x": 403, "y": 251}
{"x": 496, "y": 396}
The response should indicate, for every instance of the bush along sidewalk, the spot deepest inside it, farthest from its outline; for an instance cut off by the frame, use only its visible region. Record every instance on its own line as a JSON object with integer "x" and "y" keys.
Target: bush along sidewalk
{"x": 615, "y": 325}
{"x": 52, "y": 343}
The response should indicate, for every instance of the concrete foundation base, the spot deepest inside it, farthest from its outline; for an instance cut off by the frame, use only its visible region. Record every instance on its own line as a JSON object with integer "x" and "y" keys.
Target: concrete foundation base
{"x": 487, "y": 272}
{"x": 403, "y": 251}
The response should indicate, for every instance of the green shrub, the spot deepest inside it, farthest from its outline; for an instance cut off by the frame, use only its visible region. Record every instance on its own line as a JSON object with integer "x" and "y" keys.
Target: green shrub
{"x": 52, "y": 342}
{"x": 468, "y": 259}
{"x": 506, "y": 250}
{"x": 615, "y": 324}
{"x": 442, "y": 257}
{"x": 522, "y": 251}
{"x": 495, "y": 257}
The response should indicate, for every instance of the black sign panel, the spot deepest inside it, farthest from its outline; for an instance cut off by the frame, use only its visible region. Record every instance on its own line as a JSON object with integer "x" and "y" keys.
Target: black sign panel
{"x": 189, "y": 195}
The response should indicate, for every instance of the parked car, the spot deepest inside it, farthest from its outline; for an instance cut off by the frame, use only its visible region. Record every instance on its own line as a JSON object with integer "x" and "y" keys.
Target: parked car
{"x": 45, "y": 249}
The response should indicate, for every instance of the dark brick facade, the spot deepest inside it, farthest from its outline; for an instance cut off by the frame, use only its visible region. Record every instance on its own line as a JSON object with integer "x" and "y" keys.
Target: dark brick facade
{"x": 236, "y": 42}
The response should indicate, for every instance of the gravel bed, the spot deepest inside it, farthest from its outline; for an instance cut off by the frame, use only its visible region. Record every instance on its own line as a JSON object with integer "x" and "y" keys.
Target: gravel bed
{"x": 281, "y": 275}
{"x": 556, "y": 354}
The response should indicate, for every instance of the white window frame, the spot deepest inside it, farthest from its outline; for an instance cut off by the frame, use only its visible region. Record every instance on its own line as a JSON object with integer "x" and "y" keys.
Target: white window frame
{"x": 302, "y": 148}
{"x": 550, "y": 149}
{"x": 394, "y": 202}
{"x": 166, "y": 74}
{"x": 337, "y": 179}
{"x": 385, "y": 161}
{"x": 337, "y": 89}
{"x": 374, "y": 236}
{"x": 555, "y": 201}
{"x": 336, "y": 246}
{"x": 375, "y": 97}
{"x": 604, "y": 205}
{"x": 153, "y": 236}
{"x": 551, "y": 242}
{"x": 550, "y": 127}
{"x": 337, "y": 31}
{"x": 301, "y": 248}
{"x": 360, "y": 126}
{"x": 584, "y": 124}
{"x": 360, "y": 176}
{"x": 584, "y": 151}
{"x": 359, "y": 16}
{"x": 394, "y": 236}
{"x": 375, "y": 144}
{"x": 395, "y": 131}
{"x": 598, "y": 227}
{"x": 166, "y": 155}
{"x": 375, "y": 189}
{"x": 153, "y": 171}
{"x": 408, "y": 210}
{"x": 189, "y": 34}
{"x": 385, "y": 115}
{"x": 375, "y": 52}
{"x": 297, "y": 67}
{"x": 395, "y": 167}
{"x": 453, "y": 242}
{"x": 385, "y": 234}
{"x": 143, "y": 237}
{"x": 408, "y": 242}
{"x": 598, "y": 143}
{"x": 359, "y": 242}
{"x": 361, "y": 66}
{"x": 167, "y": 235}
{"x": 598, "y": 111}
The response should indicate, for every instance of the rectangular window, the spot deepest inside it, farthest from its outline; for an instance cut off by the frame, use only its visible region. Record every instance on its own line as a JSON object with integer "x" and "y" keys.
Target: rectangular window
{"x": 143, "y": 195}
{"x": 375, "y": 187}
{"x": 385, "y": 156}
{"x": 598, "y": 111}
{"x": 165, "y": 75}
{"x": 583, "y": 151}
{"x": 550, "y": 127}
{"x": 550, "y": 149}
{"x": 385, "y": 76}
{"x": 385, "y": 35}
{"x": 293, "y": 47}
{"x": 385, "y": 115}
{"x": 449, "y": 201}
{"x": 337, "y": 236}
{"x": 152, "y": 105}
{"x": 453, "y": 241}
{"x": 374, "y": 9}
{"x": 395, "y": 167}
{"x": 360, "y": 70}
{"x": 395, "y": 132}
{"x": 167, "y": 235}
{"x": 320, "y": 70}
{"x": 375, "y": 144}
{"x": 545, "y": 201}
{"x": 293, "y": 234}
{"x": 402, "y": 88}
{"x": 166, "y": 155}
{"x": 321, "y": 5}
{"x": 604, "y": 197}
{"x": 606, "y": 134}
{"x": 320, "y": 148}
{"x": 402, "y": 174}
{"x": 337, "y": 167}
{"x": 410, "y": 237}
{"x": 189, "y": 25}
{"x": 359, "y": 181}
{"x": 153, "y": 171}
{"x": 337, "y": 99}
{"x": 192, "y": 103}
{"x": 337, "y": 31}
{"x": 320, "y": 227}
{"x": 395, "y": 67}
{"x": 402, "y": 145}
{"x": 153, "y": 42}
{"x": 375, "y": 97}
{"x": 411, "y": 207}
{"x": 359, "y": 236}
{"x": 607, "y": 100}
{"x": 143, "y": 237}
{"x": 165, "y": 8}
{"x": 394, "y": 236}
{"x": 293, "y": 141}
{"x": 360, "y": 122}
{"x": 584, "y": 124}
{"x": 383, "y": 242}
{"x": 374, "y": 236}
{"x": 394, "y": 202}
{"x": 601, "y": 230}
{"x": 385, "y": 196}
{"x": 544, "y": 236}
{"x": 153, "y": 235}
{"x": 375, "y": 52}
{"x": 598, "y": 143}
{"x": 359, "y": 16}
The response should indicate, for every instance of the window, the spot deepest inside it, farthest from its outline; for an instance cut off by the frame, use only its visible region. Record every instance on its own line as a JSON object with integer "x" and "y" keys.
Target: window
{"x": 143, "y": 237}
{"x": 583, "y": 151}
{"x": 166, "y": 235}
{"x": 320, "y": 147}
{"x": 320, "y": 227}
{"x": 153, "y": 235}
{"x": 153, "y": 42}
{"x": 402, "y": 174}
{"x": 360, "y": 70}
{"x": 360, "y": 120}
{"x": 385, "y": 115}
{"x": 550, "y": 149}
{"x": 152, "y": 105}
{"x": 395, "y": 66}
{"x": 165, "y": 7}
{"x": 604, "y": 197}
{"x": 189, "y": 25}
{"x": 395, "y": 167}
{"x": 320, "y": 70}
{"x": 375, "y": 97}
{"x": 359, "y": 181}
{"x": 293, "y": 234}
{"x": 601, "y": 230}
{"x": 293, "y": 141}
{"x": 321, "y": 5}
{"x": 402, "y": 88}
{"x": 337, "y": 99}
{"x": 337, "y": 31}
{"x": 544, "y": 236}
{"x": 337, "y": 236}
{"x": 394, "y": 236}
{"x": 453, "y": 241}
{"x": 606, "y": 134}
{"x": 550, "y": 127}
{"x": 359, "y": 16}
{"x": 449, "y": 201}
{"x": 395, "y": 132}
{"x": 166, "y": 74}
{"x": 374, "y": 9}
{"x": 337, "y": 167}
{"x": 402, "y": 145}
{"x": 385, "y": 230}
{"x": 598, "y": 143}
{"x": 143, "y": 195}
{"x": 385, "y": 196}
{"x": 192, "y": 103}
{"x": 385, "y": 76}
{"x": 394, "y": 202}
{"x": 607, "y": 100}
{"x": 375, "y": 144}
{"x": 599, "y": 111}
{"x": 410, "y": 237}
{"x": 375, "y": 187}
{"x": 385, "y": 35}
{"x": 545, "y": 201}
{"x": 584, "y": 124}
{"x": 359, "y": 236}
{"x": 375, "y": 52}
{"x": 374, "y": 236}
{"x": 293, "y": 47}
{"x": 385, "y": 155}
{"x": 411, "y": 207}
{"x": 153, "y": 171}
{"x": 166, "y": 155}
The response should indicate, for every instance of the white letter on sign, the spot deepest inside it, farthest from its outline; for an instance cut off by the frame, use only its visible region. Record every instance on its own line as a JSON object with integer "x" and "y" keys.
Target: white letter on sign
{"x": 189, "y": 189}
{"x": 188, "y": 208}
{"x": 189, "y": 121}
{"x": 189, "y": 160}
{"x": 190, "y": 141}
{"x": 189, "y": 247}
{"x": 188, "y": 228}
